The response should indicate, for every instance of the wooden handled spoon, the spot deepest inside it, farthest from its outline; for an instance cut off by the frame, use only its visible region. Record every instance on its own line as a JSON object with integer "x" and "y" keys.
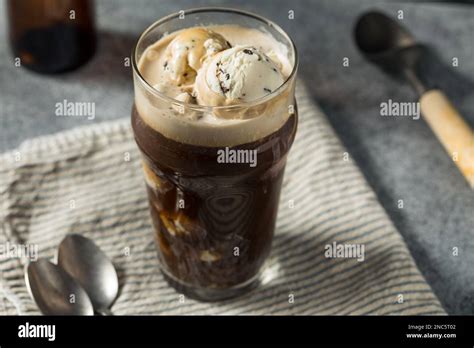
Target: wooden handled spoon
{"x": 389, "y": 45}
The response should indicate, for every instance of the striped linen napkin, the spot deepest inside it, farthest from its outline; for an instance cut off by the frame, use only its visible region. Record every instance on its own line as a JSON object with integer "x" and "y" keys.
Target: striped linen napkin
{"x": 89, "y": 181}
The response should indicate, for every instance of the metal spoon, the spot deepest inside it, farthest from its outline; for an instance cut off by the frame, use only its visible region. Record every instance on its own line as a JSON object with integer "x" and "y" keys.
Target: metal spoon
{"x": 389, "y": 45}
{"x": 85, "y": 261}
{"x": 386, "y": 43}
{"x": 55, "y": 291}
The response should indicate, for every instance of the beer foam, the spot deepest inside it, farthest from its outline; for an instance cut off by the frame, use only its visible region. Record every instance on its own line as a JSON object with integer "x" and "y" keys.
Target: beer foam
{"x": 210, "y": 126}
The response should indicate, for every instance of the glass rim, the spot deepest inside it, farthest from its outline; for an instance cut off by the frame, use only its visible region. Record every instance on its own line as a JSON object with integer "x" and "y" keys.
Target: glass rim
{"x": 197, "y": 107}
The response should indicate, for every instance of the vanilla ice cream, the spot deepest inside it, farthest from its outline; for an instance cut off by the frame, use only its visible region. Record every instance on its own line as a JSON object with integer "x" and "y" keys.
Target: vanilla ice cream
{"x": 237, "y": 75}
{"x": 218, "y": 65}
{"x": 188, "y": 50}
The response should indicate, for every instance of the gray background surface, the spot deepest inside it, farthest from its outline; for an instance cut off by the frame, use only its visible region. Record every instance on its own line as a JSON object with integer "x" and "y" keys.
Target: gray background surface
{"x": 400, "y": 157}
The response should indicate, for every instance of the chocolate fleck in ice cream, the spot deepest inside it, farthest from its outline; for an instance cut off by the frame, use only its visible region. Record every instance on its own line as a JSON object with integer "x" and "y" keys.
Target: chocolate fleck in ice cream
{"x": 200, "y": 90}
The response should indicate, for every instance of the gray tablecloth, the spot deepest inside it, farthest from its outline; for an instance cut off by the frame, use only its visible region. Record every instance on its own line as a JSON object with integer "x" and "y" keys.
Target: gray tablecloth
{"x": 399, "y": 157}
{"x": 89, "y": 181}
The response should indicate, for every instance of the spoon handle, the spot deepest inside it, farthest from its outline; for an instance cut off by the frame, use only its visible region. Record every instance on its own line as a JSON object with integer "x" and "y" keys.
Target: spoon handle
{"x": 451, "y": 129}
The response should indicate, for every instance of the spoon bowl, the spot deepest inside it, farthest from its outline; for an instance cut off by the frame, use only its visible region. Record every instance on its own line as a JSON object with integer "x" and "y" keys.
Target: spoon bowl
{"x": 86, "y": 262}
{"x": 55, "y": 291}
{"x": 389, "y": 45}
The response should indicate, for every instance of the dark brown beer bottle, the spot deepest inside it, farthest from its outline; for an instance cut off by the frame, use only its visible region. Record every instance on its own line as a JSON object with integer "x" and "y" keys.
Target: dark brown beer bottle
{"x": 52, "y": 36}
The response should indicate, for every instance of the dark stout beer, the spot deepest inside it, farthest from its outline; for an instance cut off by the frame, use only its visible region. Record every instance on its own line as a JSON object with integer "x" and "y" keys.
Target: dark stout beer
{"x": 213, "y": 222}
{"x": 51, "y": 36}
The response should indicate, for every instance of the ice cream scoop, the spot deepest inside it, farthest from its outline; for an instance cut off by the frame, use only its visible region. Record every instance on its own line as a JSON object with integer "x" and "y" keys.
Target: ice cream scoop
{"x": 188, "y": 50}
{"x": 388, "y": 44}
{"x": 237, "y": 75}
